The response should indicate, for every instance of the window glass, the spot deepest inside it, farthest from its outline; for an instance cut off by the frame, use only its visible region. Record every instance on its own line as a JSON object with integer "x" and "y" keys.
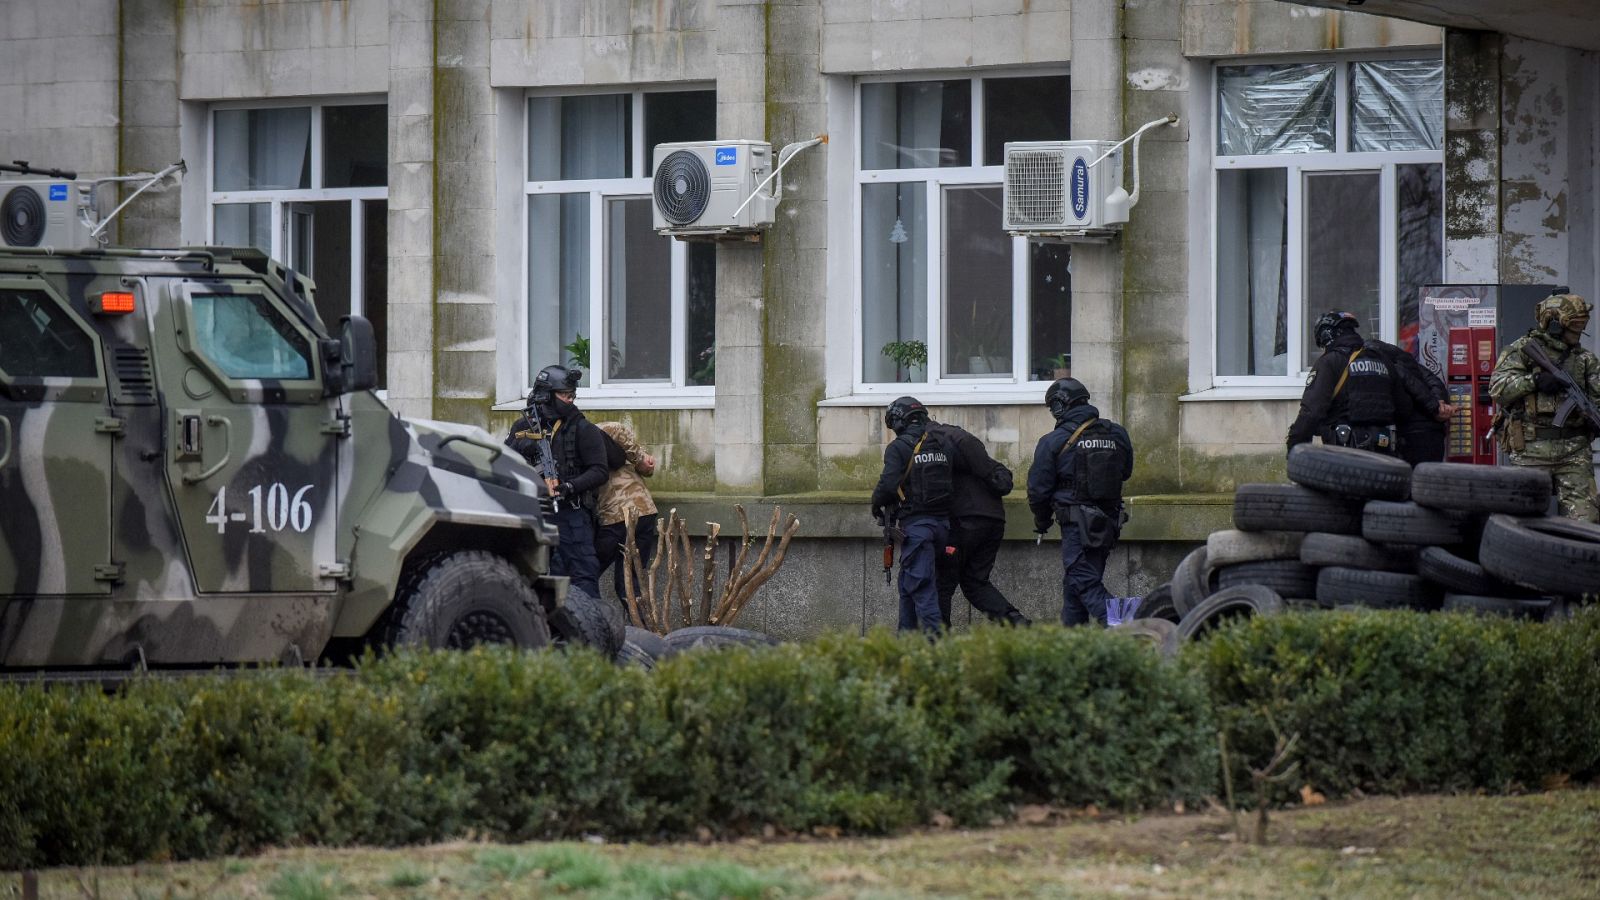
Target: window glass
{"x": 1252, "y": 263}
{"x": 638, "y": 294}
{"x": 1275, "y": 109}
{"x": 1342, "y": 250}
{"x": 977, "y": 284}
{"x": 1049, "y": 310}
{"x": 1396, "y": 104}
{"x": 558, "y": 275}
{"x": 244, "y": 225}
{"x": 246, "y": 337}
{"x": 674, "y": 116}
{"x": 262, "y": 149}
{"x": 894, "y": 278}
{"x": 1023, "y": 109}
{"x": 916, "y": 124}
{"x": 355, "y": 146}
{"x": 1419, "y": 233}
{"x": 375, "y": 279}
{"x": 702, "y": 297}
{"x": 39, "y": 340}
{"x": 579, "y": 137}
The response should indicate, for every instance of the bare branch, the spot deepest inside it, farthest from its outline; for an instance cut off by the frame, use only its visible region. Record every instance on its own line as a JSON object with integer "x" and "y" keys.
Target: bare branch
{"x": 630, "y": 565}
{"x": 752, "y": 584}
{"x": 708, "y": 571}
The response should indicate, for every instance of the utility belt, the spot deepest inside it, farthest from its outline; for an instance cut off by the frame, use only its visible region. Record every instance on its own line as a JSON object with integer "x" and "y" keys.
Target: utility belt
{"x": 1552, "y": 433}
{"x": 1096, "y": 527}
{"x": 1374, "y": 438}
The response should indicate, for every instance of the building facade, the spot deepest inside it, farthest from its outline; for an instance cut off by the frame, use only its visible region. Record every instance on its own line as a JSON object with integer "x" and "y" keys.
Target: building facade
{"x": 474, "y": 176}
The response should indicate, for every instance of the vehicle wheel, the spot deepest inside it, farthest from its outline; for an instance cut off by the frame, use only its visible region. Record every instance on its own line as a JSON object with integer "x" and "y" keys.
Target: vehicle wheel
{"x": 1158, "y": 632}
{"x": 1350, "y": 472}
{"x": 1225, "y": 548}
{"x": 1503, "y": 489}
{"x": 1496, "y": 606}
{"x": 1226, "y": 605}
{"x": 1558, "y": 556}
{"x": 1158, "y": 604}
{"x": 632, "y": 654}
{"x": 646, "y": 640}
{"x": 714, "y": 636}
{"x": 1455, "y": 574}
{"x": 1191, "y": 582}
{"x": 1384, "y": 522}
{"x": 587, "y": 620}
{"x": 462, "y": 599}
{"x": 1290, "y": 507}
{"x": 1286, "y": 578}
{"x": 1339, "y": 586}
{"x": 1355, "y": 553}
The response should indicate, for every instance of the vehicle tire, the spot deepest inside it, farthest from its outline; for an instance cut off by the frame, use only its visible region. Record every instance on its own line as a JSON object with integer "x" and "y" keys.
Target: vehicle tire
{"x": 1226, "y": 605}
{"x": 1350, "y": 472}
{"x": 646, "y": 640}
{"x": 1502, "y": 489}
{"x": 1290, "y": 507}
{"x": 1158, "y": 604}
{"x": 1454, "y": 574}
{"x": 1551, "y": 555}
{"x": 632, "y": 654}
{"x": 1286, "y": 578}
{"x": 1339, "y": 586}
{"x": 1191, "y": 582}
{"x": 462, "y": 599}
{"x": 1497, "y": 606}
{"x": 591, "y": 621}
{"x": 1356, "y": 553}
{"x": 715, "y": 637}
{"x": 1225, "y": 548}
{"x": 1385, "y": 522}
{"x": 1158, "y": 632}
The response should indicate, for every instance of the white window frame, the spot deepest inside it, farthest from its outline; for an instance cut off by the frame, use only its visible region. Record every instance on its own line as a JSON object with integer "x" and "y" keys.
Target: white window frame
{"x": 936, "y": 388}
{"x": 1298, "y": 165}
{"x": 279, "y": 230}
{"x": 598, "y": 393}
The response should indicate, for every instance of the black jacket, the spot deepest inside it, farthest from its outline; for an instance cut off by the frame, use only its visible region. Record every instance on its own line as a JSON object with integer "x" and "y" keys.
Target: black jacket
{"x": 579, "y": 449}
{"x": 980, "y": 481}
{"x": 1050, "y": 478}
{"x": 916, "y": 488}
{"x": 1418, "y": 391}
{"x": 1367, "y": 398}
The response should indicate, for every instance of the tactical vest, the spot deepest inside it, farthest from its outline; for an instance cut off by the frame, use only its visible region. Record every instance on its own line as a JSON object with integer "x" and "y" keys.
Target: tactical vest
{"x": 564, "y": 442}
{"x": 928, "y": 483}
{"x": 1094, "y": 465}
{"x": 1364, "y": 394}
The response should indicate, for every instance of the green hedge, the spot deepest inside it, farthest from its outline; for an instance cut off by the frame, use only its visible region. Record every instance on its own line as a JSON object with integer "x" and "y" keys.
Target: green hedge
{"x": 868, "y": 735}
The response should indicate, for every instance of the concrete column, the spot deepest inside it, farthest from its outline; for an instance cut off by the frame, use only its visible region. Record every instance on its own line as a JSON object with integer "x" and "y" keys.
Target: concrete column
{"x": 741, "y": 28}
{"x": 148, "y": 114}
{"x": 1472, "y": 157}
{"x": 412, "y": 276}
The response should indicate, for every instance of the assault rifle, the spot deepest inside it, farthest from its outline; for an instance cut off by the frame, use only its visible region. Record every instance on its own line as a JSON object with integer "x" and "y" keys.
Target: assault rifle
{"x": 547, "y": 459}
{"x": 892, "y": 536}
{"x": 1577, "y": 400}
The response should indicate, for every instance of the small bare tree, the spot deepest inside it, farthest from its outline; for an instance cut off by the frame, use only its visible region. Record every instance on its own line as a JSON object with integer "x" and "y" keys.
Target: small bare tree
{"x": 662, "y": 601}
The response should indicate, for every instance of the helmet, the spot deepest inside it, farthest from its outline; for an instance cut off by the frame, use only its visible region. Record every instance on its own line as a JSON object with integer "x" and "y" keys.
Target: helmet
{"x": 1063, "y": 394}
{"x": 551, "y": 379}
{"x": 1330, "y": 323}
{"x": 1560, "y": 312}
{"x": 903, "y": 413}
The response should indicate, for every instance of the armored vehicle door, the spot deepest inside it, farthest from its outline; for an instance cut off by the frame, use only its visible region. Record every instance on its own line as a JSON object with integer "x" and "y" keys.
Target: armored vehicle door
{"x": 55, "y": 446}
{"x": 253, "y": 443}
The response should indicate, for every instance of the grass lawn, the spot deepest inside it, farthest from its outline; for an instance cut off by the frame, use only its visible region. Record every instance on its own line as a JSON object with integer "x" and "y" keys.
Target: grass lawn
{"x": 1542, "y": 845}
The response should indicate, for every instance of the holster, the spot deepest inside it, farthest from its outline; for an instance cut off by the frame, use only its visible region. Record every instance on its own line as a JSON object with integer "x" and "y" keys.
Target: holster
{"x": 1096, "y": 529}
{"x": 1376, "y": 438}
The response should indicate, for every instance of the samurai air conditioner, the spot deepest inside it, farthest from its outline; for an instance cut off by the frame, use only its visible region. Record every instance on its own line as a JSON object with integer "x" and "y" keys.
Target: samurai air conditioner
{"x": 719, "y": 189}
{"x": 1070, "y": 190}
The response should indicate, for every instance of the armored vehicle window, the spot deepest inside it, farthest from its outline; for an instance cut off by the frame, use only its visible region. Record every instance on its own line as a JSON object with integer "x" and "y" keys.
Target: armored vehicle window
{"x": 39, "y": 340}
{"x": 248, "y": 338}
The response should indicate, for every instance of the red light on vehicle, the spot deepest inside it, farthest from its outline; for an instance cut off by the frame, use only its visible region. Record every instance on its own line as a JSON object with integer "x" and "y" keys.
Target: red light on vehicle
{"x": 114, "y": 303}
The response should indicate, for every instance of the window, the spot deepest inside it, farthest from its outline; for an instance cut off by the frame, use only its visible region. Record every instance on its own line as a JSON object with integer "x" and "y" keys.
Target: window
{"x": 38, "y": 339}
{"x": 246, "y": 337}
{"x": 635, "y": 310}
{"x": 1329, "y": 194}
{"x": 946, "y": 296}
{"x": 307, "y": 184}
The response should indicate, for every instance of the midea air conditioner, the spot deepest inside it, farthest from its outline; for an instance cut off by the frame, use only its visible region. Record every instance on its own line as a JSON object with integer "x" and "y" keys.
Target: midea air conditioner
{"x": 714, "y": 188}
{"x": 42, "y": 214}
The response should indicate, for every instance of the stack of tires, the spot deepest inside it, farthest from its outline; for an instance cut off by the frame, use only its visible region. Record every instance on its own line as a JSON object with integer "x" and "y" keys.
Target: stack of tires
{"x": 1362, "y": 529}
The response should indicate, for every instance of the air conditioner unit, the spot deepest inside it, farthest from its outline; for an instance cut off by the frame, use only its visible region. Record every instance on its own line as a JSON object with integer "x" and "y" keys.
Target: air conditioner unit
{"x": 713, "y": 188}
{"x": 1057, "y": 188}
{"x": 42, "y": 214}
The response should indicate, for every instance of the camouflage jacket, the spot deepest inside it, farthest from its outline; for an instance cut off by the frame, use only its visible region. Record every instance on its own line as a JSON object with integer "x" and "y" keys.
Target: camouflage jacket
{"x": 1511, "y": 385}
{"x": 625, "y": 489}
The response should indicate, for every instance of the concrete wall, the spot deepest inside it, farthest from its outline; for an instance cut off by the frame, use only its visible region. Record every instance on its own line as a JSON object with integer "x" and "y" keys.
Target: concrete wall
{"x": 1239, "y": 27}
{"x": 290, "y": 48}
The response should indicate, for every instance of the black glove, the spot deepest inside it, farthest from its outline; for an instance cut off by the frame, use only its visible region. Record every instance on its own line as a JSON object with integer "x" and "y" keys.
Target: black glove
{"x": 564, "y": 489}
{"x": 1545, "y": 383}
{"x": 877, "y": 513}
{"x": 1041, "y": 526}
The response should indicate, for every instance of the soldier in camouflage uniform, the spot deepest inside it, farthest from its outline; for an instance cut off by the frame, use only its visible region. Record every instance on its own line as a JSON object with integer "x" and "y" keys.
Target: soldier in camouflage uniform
{"x": 1529, "y": 396}
{"x": 625, "y": 491}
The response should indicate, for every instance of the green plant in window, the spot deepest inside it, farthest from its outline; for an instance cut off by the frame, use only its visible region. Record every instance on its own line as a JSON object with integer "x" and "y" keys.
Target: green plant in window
{"x": 909, "y": 355}
{"x": 707, "y": 373}
{"x": 578, "y": 352}
{"x": 1061, "y": 365}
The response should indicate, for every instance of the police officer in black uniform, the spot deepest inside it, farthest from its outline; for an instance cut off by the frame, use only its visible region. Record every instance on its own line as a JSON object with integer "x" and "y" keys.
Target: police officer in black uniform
{"x": 915, "y": 490}
{"x": 977, "y": 526}
{"x": 1350, "y": 395}
{"x": 1422, "y": 405}
{"x": 1076, "y": 479}
{"x": 578, "y": 447}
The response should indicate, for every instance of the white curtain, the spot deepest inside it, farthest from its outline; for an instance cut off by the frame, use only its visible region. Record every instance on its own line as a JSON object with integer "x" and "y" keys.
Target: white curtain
{"x": 1252, "y": 247}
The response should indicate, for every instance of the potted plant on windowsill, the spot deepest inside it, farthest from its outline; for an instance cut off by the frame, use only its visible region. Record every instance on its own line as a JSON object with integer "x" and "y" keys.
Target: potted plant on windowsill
{"x": 1061, "y": 365}
{"x": 578, "y": 352}
{"x": 908, "y": 355}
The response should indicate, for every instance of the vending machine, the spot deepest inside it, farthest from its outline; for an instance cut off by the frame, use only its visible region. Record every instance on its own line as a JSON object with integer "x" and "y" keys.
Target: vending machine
{"x": 1470, "y": 362}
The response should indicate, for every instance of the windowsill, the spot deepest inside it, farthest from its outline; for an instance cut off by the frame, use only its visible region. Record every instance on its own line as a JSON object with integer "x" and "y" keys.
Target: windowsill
{"x": 1246, "y": 392}
{"x": 627, "y": 401}
{"x": 944, "y": 395}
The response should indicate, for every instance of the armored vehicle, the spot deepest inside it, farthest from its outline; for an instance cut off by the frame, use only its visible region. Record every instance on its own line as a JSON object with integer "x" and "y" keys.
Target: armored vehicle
{"x": 195, "y": 470}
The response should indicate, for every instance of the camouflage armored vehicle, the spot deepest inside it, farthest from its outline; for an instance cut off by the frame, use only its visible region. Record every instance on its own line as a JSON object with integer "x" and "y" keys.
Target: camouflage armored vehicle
{"x": 194, "y": 470}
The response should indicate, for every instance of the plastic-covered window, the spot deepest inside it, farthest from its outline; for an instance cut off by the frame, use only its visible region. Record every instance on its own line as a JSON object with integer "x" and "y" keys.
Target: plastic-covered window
{"x": 1275, "y": 109}
{"x": 1396, "y": 105}
{"x": 39, "y": 340}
